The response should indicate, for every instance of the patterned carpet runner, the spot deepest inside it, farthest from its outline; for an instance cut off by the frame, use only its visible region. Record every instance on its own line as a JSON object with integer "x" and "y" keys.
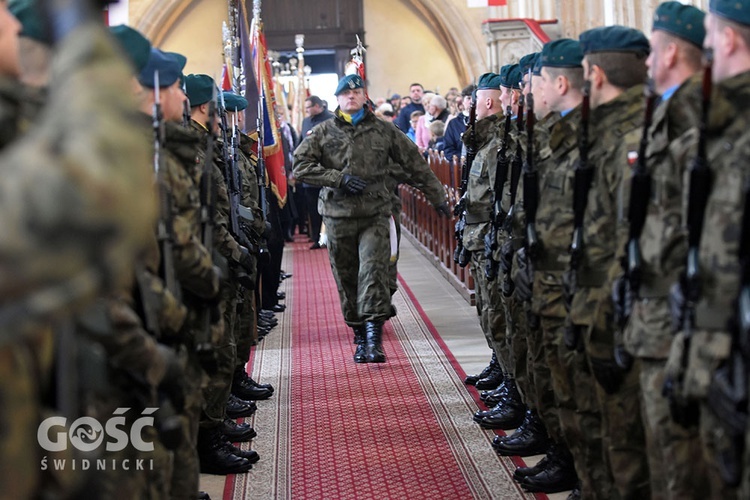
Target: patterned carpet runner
{"x": 338, "y": 430}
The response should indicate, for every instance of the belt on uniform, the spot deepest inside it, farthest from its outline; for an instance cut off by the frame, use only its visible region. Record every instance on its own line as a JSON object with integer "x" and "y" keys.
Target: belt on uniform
{"x": 478, "y": 218}
{"x": 591, "y": 279}
{"x": 712, "y": 316}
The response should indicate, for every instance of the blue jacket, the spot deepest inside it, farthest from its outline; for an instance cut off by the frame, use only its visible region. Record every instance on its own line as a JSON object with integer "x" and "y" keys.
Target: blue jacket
{"x": 453, "y": 131}
{"x": 403, "y": 122}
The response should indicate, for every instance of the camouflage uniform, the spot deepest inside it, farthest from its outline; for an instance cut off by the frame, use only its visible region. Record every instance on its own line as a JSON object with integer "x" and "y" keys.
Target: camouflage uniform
{"x": 726, "y": 151}
{"x": 70, "y": 240}
{"x": 478, "y": 216}
{"x": 572, "y": 382}
{"x": 677, "y": 468}
{"x": 614, "y": 137}
{"x": 358, "y": 234}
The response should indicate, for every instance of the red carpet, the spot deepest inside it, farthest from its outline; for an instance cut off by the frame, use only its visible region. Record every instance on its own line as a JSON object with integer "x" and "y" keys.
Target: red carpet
{"x": 340, "y": 430}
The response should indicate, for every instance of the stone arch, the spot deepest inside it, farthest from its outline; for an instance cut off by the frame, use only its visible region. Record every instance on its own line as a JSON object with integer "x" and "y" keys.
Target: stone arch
{"x": 457, "y": 27}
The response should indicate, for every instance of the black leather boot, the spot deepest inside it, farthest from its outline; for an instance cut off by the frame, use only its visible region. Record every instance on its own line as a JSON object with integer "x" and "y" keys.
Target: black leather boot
{"x": 249, "y": 455}
{"x": 243, "y": 389}
{"x": 559, "y": 475}
{"x": 237, "y": 433}
{"x": 529, "y": 439}
{"x": 374, "y": 332}
{"x": 237, "y": 408}
{"x": 360, "y": 354}
{"x": 492, "y": 380}
{"x": 473, "y": 379}
{"x": 215, "y": 455}
{"x": 522, "y": 472}
{"x": 508, "y": 413}
{"x": 493, "y": 397}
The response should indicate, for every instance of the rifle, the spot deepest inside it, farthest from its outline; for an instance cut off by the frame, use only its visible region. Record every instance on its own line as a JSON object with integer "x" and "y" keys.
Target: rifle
{"x": 164, "y": 234}
{"x": 204, "y": 349}
{"x": 502, "y": 166}
{"x": 515, "y": 176}
{"x": 640, "y": 194}
{"x": 584, "y": 175}
{"x": 686, "y": 412}
{"x": 461, "y": 256}
{"x": 185, "y": 108}
{"x": 728, "y": 393}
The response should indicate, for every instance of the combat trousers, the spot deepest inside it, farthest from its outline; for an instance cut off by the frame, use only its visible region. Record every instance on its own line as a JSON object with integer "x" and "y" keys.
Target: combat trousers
{"x": 515, "y": 319}
{"x": 246, "y": 333}
{"x": 579, "y": 416}
{"x": 492, "y": 315}
{"x": 359, "y": 251}
{"x": 216, "y": 393}
{"x": 540, "y": 395}
{"x": 186, "y": 477}
{"x": 675, "y": 449}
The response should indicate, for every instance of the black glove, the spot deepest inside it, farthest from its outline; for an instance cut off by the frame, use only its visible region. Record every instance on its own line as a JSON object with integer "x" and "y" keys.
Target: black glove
{"x": 443, "y": 210}
{"x": 490, "y": 266}
{"x": 353, "y": 184}
{"x": 623, "y": 358}
{"x": 622, "y": 301}
{"x": 677, "y": 304}
{"x": 244, "y": 279}
{"x": 246, "y": 260}
{"x": 608, "y": 374}
{"x": 524, "y": 278}
{"x": 685, "y": 413}
{"x": 506, "y": 257}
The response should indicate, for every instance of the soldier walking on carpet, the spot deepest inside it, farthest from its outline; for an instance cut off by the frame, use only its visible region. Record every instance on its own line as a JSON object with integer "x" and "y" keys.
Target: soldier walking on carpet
{"x": 352, "y": 157}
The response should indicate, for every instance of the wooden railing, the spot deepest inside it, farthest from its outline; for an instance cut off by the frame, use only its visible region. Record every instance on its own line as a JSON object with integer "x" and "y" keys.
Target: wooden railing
{"x": 433, "y": 235}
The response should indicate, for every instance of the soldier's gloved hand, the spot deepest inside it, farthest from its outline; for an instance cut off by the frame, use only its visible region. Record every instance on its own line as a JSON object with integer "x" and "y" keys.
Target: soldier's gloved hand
{"x": 173, "y": 382}
{"x": 607, "y": 374}
{"x": 677, "y": 304}
{"x": 353, "y": 184}
{"x": 622, "y": 300}
{"x": 524, "y": 277}
{"x": 506, "y": 257}
{"x": 246, "y": 260}
{"x": 623, "y": 358}
{"x": 443, "y": 210}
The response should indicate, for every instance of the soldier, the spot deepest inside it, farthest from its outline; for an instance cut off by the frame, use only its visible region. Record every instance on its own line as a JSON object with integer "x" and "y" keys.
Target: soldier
{"x": 677, "y": 468}
{"x": 509, "y": 410}
{"x": 350, "y": 156}
{"x": 579, "y": 419}
{"x": 86, "y": 245}
{"x": 615, "y": 69}
{"x": 218, "y": 456}
{"x": 704, "y": 341}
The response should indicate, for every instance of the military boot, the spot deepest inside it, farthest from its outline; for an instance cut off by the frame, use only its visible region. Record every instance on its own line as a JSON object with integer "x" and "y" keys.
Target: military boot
{"x": 374, "y": 344}
{"x": 243, "y": 389}
{"x": 559, "y": 475}
{"x": 508, "y": 413}
{"x": 529, "y": 439}
{"x": 473, "y": 379}
{"x": 360, "y": 354}
{"x": 493, "y": 379}
{"x": 215, "y": 455}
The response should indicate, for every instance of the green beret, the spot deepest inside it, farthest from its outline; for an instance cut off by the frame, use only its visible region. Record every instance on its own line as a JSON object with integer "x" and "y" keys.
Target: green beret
{"x": 684, "y": 21}
{"x": 510, "y": 76}
{"x": 168, "y": 69}
{"x": 134, "y": 44}
{"x": 527, "y": 62}
{"x": 349, "y": 82}
{"x": 562, "y": 53}
{"x": 489, "y": 81}
{"x": 614, "y": 39}
{"x": 179, "y": 58}
{"x": 734, "y": 10}
{"x": 233, "y": 102}
{"x": 27, "y": 14}
{"x": 199, "y": 89}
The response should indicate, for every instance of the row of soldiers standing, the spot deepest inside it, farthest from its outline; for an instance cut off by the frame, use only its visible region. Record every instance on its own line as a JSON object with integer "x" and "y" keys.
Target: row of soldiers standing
{"x": 133, "y": 232}
{"x": 618, "y": 317}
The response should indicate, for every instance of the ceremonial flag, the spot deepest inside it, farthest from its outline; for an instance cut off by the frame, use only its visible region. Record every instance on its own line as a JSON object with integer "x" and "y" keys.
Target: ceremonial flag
{"x": 226, "y": 80}
{"x": 272, "y": 150}
{"x": 486, "y": 3}
{"x": 356, "y": 66}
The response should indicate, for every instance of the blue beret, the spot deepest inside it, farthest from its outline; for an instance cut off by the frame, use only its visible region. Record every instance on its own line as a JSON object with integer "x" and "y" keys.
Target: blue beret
{"x": 489, "y": 81}
{"x": 134, "y": 44}
{"x": 684, "y": 21}
{"x": 614, "y": 39}
{"x": 168, "y": 68}
{"x": 562, "y": 53}
{"x": 234, "y": 102}
{"x": 26, "y": 13}
{"x": 511, "y": 76}
{"x": 734, "y": 10}
{"x": 199, "y": 89}
{"x": 349, "y": 82}
{"x": 527, "y": 62}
